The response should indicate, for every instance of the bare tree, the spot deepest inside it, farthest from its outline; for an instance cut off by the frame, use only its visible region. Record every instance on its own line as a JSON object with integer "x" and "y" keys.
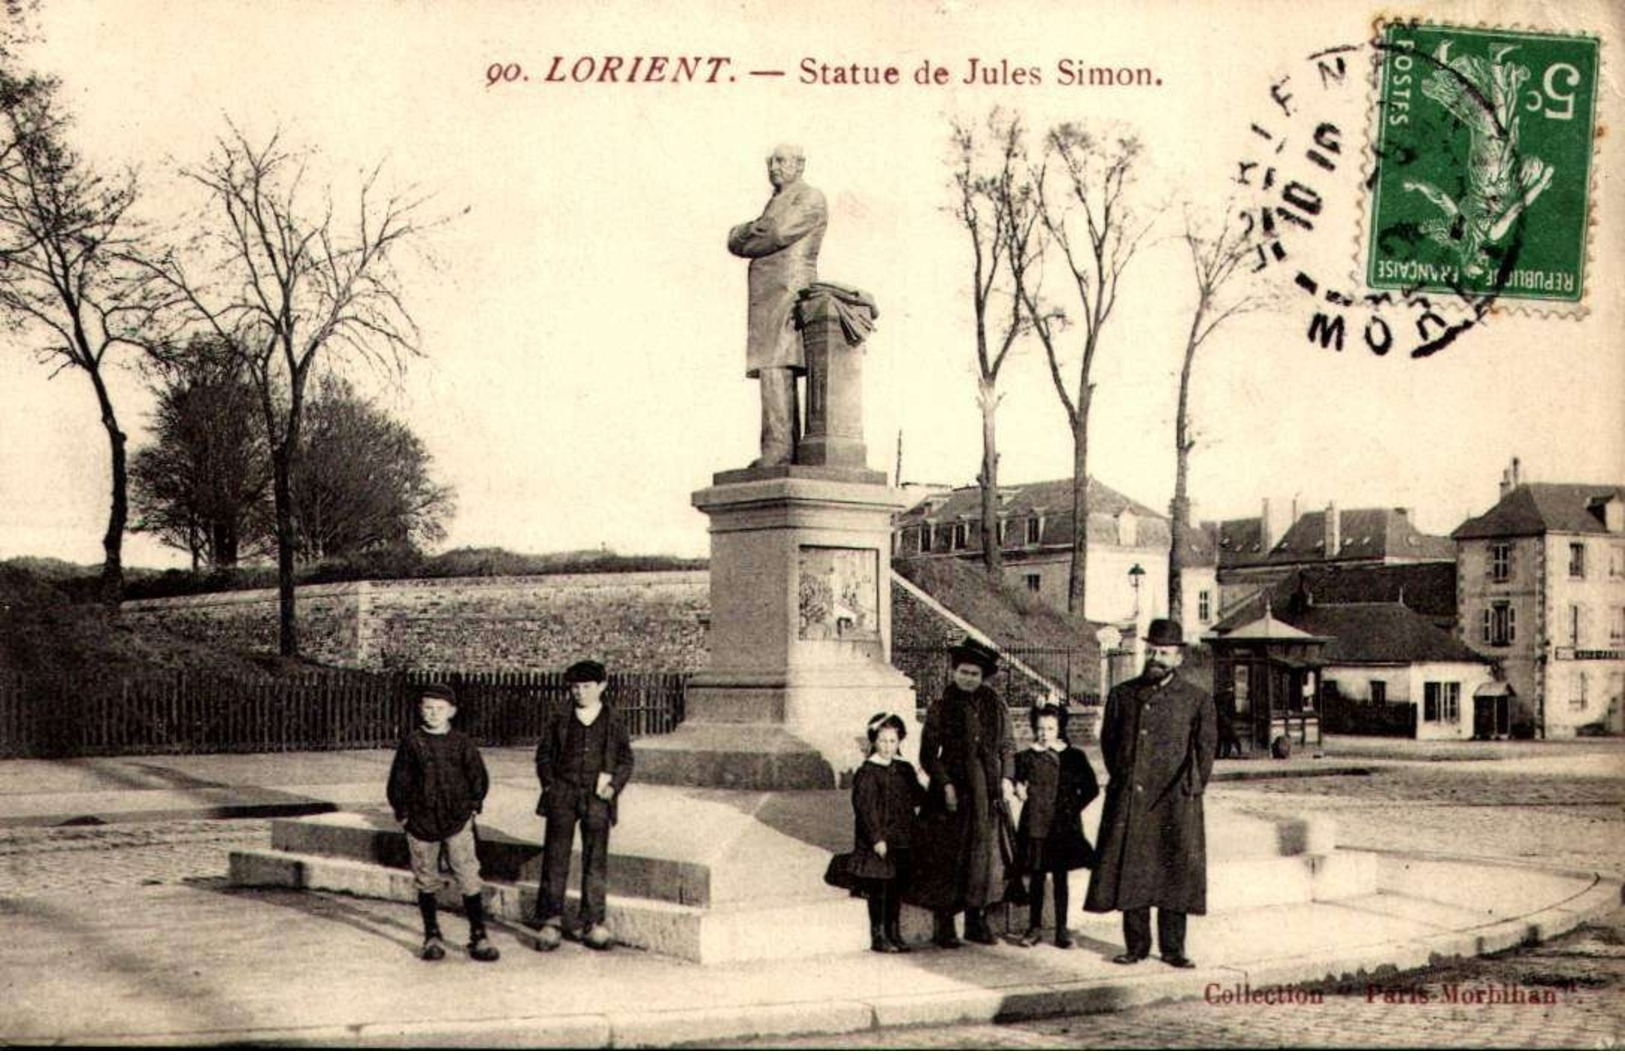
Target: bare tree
{"x": 1083, "y": 189}
{"x": 65, "y": 282}
{"x": 995, "y": 204}
{"x": 1221, "y": 295}
{"x": 292, "y": 281}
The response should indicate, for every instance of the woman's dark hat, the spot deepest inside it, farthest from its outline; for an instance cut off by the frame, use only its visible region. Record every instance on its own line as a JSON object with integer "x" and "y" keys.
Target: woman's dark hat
{"x": 586, "y": 670}
{"x": 1165, "y": 632}
{"x": 971, "y": 650}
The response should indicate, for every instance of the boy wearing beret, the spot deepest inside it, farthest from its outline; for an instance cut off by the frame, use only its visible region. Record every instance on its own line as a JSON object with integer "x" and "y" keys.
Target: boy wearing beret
{"x": 583, "y": 762}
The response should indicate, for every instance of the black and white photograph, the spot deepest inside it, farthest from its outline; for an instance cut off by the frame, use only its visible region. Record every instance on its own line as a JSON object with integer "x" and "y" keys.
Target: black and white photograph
{"x": 940, "y": 524}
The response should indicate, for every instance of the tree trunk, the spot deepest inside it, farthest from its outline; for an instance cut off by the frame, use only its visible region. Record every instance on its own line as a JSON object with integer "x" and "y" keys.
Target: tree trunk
{"x": 112, "y": 580}
{"x": 1075, "y": 586}
{"x": 1179, "y": 510}
{"x": 992, "y": 549}
{"x": 282, "y": 491}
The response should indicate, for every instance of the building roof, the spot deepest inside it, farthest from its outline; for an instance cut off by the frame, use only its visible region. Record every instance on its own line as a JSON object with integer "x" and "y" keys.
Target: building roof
{"x": 1429, "y": 589}
{"x": 1381, "y": 633}
{"x": 1365, "y": 535}
{"x": 1239, "y": 542}
{"x": 1052, "y": 500}
{"x": 1536, "y": 509}
{"x": 1268, "y": 628}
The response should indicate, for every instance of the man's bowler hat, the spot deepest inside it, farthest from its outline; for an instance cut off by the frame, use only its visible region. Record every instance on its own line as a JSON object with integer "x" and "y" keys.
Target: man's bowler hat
{"x": 1165, "y": 632}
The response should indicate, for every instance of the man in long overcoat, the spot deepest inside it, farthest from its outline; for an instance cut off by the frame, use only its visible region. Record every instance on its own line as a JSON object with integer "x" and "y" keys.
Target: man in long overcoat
{"x": 1158, "y": 738}
{"x": 782, "y": 246}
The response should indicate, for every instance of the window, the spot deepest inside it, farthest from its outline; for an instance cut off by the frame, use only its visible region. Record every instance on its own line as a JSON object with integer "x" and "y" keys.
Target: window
{"x": 1576, "y": 617}
{"x": 1204, "y": 607}
{"x": 1033, "y": 582}
{"x": 1035, "y": 530}
{"x": 1441, "y": 702}
{"x": 1499, "y": 624}
{"x": 1379, "y": 693}
{"x": 1577, "y": 560}
{"x": 925, "y": 538}
{"x": 1616, "y": 562}
{"x": 1500, "y": 563}
{"x": 1577, "y": 690}
{"x": 961, "y": 538}
{"x": 1243, "y": 687}
{"x": 1616, "y": 626}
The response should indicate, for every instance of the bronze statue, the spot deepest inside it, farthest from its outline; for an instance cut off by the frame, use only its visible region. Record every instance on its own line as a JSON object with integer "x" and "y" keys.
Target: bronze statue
{"x": 782, "y": 246}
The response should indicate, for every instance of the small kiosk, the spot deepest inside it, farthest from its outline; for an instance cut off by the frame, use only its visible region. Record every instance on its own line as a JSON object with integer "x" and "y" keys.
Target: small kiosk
{"x": 1266, "y": 680}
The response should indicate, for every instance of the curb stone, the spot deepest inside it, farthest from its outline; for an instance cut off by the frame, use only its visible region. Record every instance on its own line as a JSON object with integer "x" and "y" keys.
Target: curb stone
{"x": 664, "y": 1029}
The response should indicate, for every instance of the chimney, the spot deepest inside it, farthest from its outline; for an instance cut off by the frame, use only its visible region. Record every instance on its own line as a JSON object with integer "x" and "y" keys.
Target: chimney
{"x": 1266, "y": 529}
{"x": 1509, "y": 478}
{"x": 1334, "y": 534}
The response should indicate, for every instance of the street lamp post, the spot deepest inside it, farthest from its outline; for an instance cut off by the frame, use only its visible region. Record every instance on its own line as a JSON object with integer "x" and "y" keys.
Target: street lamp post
{"x": 1135, "y": 574}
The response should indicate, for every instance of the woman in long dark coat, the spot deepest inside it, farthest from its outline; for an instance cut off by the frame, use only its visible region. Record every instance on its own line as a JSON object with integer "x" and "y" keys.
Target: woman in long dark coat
{"x": 967, "y": 749}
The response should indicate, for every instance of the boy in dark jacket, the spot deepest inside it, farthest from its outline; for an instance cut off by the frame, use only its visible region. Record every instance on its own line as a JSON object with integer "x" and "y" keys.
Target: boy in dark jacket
{"x": 1055, "y": 782}
{"x": 583, "y": 762}
{"x": 437, "y": 784}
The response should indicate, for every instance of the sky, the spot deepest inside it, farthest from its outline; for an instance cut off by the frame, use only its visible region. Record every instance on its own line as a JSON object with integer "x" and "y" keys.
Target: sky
{"x": 583, "y": 324}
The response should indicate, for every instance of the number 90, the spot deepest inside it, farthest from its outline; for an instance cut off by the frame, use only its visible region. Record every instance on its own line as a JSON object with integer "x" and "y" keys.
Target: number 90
{"x": 498, "y": 73}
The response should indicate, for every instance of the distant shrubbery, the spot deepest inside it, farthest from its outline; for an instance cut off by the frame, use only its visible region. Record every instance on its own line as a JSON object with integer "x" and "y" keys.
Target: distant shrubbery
{"x": 75, "y": 583}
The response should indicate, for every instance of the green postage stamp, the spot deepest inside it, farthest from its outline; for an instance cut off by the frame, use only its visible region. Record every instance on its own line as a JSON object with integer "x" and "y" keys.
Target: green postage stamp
{"x": 1483, "y": 166}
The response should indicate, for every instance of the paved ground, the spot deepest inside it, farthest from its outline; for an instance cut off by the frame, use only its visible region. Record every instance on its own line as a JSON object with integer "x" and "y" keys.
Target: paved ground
{"x": 1564, "y": 808}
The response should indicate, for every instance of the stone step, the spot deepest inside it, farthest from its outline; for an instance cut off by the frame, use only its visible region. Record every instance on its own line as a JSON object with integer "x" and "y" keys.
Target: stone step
{"x": 708, "y": 848}
{"x": 829, "y": 923}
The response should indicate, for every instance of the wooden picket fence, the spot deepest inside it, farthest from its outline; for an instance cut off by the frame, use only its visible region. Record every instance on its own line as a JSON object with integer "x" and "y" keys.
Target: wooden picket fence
{"x": 190, "y": 713}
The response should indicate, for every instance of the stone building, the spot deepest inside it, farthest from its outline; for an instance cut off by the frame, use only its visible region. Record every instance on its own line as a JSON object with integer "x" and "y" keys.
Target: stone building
{"x": 1035, "y": 524}
{"x": 1541, "y": 590}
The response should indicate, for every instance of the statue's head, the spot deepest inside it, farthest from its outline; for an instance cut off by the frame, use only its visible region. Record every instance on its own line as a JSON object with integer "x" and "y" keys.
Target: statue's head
{"x": 785, "y": 164}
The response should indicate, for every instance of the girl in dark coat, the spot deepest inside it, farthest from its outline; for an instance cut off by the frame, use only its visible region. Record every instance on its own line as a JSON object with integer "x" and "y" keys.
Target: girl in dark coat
{"x": 967, "y": 749}
{"x": 1056, "y": 782}
{"x": 885, "y": 793}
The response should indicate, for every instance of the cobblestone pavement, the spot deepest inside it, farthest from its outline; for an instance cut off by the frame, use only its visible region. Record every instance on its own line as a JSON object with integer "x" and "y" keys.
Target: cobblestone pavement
{"x": 1554, "y": 817}
{"x": 114, "y": 857}
{"x": 1570, "y": 819}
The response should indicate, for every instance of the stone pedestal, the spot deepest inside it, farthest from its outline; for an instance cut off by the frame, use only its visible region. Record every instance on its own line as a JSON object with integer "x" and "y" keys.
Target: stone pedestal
{"x": 800, "y": 635}
{"x": 834, "y": 320}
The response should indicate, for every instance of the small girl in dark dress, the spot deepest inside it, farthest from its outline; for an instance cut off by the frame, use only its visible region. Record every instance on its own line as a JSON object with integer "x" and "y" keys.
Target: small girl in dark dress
{"x": 1056, "y": 782}
{"x": 885, "y": 793}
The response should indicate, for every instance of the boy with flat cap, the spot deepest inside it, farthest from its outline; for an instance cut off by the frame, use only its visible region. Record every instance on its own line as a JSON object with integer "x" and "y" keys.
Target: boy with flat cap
{"x": 437, "y": 783}
{"x": 583, "y": 762}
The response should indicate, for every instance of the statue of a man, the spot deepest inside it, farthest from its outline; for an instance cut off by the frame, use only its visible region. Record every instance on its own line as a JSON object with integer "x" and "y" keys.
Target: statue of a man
{"x": 782, "y": 246}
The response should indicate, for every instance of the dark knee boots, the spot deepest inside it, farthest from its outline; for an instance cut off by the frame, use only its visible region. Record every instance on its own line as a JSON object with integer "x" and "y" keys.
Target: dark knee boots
{"x": 479, "y": 947}
{"x": 433, "y": 948}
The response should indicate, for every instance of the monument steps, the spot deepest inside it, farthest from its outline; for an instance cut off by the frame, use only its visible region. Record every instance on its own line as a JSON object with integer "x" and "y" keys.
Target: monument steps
{"x": 716, "y": 876}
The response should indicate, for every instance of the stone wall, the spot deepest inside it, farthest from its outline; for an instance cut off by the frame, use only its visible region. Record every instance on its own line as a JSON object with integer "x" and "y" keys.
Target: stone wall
{"x": 246, "y": 620}
{"x": 637, "y": 621}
